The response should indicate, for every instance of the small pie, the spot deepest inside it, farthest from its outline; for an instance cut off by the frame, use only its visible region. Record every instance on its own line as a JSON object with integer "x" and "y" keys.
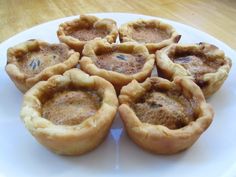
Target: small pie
{"x": 204, "y": 63}
{"x": 153, "y": 33}
{"x": 78, "y": 32}
{"x": 36, "y": 60}
{"x": 117, "y": 63}
{"x": 164, "y": 117}
{"x": 70, "y": 114}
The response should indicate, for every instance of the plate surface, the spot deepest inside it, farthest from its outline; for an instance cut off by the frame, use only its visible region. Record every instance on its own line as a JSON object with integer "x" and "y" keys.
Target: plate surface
{"x": 214, "y": 154}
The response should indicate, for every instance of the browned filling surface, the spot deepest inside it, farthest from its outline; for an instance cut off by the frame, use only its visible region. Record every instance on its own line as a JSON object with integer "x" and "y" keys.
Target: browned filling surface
{"x": 120, "y": 62}
{"x": 71, "y": 107}
{"x": 170, "y": 109}
{"x": 35, "y": 61}
{"x": 198, "y": 64}
{"x": 88, "y": 34}
{"x": 149, "y": 35}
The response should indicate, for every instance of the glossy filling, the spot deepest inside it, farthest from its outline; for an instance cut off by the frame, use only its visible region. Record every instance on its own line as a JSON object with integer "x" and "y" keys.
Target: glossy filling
{"x": 170, "y": 109}
{"x": 120, "y": 62}
{"x": 149, "y": 35}
{"x": 71, "y": 107}
{"x": 88, "y": 34}
{"x": 197, "y": 65}
{"x": 35, "y": 61}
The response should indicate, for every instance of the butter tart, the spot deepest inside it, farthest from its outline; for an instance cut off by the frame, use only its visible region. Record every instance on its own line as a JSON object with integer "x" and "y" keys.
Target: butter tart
{"x": 36, "y": 60}
{"x": 117, "y": 63}
{"x": 204, "y": 63}
{"x": 78, "y": 32}
{"x": 70, "y": 114}
{"x": 164, "y": 117}
{"x": 153, "y": 33}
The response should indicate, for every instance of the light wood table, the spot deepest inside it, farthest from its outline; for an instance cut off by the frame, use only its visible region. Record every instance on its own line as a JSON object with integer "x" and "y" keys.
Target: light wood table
{"x": 216, "y": 17}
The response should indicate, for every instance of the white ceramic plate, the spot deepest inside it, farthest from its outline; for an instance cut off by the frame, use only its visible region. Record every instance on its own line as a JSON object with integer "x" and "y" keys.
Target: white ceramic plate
{"x": 214, "y": 154}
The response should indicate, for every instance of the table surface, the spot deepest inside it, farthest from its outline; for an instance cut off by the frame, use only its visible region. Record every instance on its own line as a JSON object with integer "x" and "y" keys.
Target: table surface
{"x": 216, "y": 17}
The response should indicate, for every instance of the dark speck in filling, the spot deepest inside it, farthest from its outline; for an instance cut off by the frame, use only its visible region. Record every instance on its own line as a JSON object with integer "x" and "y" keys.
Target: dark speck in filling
{"x": 34, "y": 63}
{"x": 153, "y": 104}
{"x": 121, "y": 57}
{"x": 200, "y": 82}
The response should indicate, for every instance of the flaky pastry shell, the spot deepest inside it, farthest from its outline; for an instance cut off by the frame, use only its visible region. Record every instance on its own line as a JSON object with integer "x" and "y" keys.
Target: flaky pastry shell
{"x": 69, "y": 139}
{"x": 22, "y": 80}
{"x": 86, "y": 21}
{"x": 126, "y": 30}
{"x": 158, "y": 138}
{"x": 209, "y": 82}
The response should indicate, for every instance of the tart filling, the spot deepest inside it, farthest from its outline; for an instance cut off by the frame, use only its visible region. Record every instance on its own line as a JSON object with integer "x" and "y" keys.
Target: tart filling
{"x": 88, "y": 34}
{"x": 170, "y": 109}
{"x": 35, "y": 61}
{"x": 197, "y": 64}
{"x": 120, "y": 62}
{"x": 149, "y": 35}
{"x": 71, "y": 107}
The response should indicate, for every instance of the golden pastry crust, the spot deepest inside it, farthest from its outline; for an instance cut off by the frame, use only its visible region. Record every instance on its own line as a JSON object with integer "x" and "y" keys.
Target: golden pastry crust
{"x": 70, "y": 139}
{"x": 86, "y": 22}
{"x": 25, "y": 81}
{"x": 118, "y": 79}
{"x": 158, "y": 138}
{"x": 209, "y": 82}
{"x": 126, "y": 33}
